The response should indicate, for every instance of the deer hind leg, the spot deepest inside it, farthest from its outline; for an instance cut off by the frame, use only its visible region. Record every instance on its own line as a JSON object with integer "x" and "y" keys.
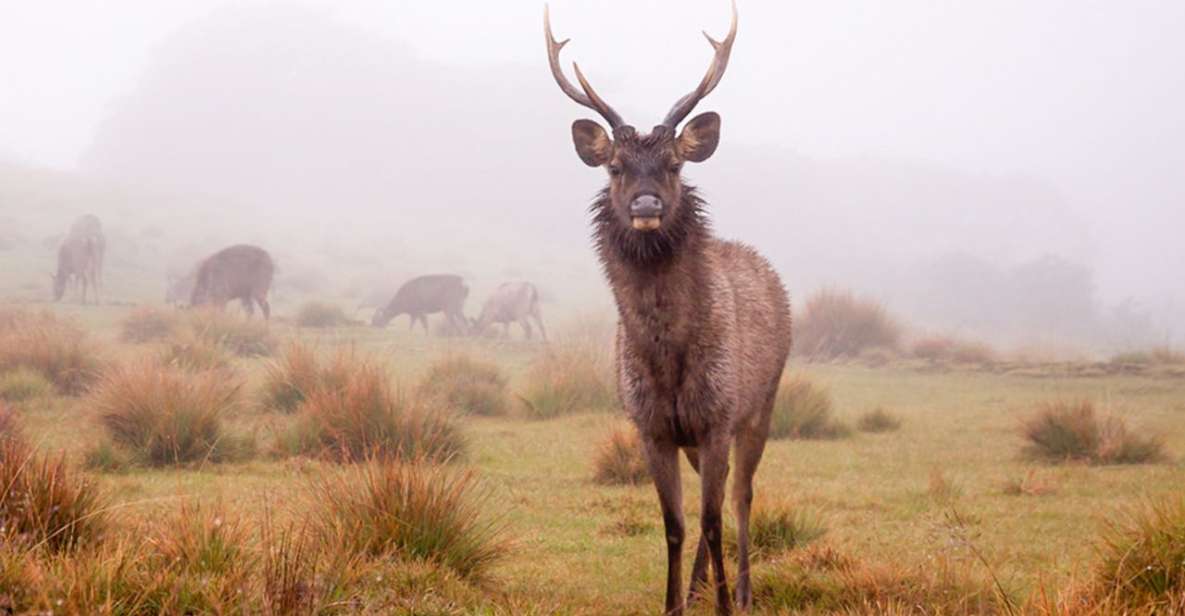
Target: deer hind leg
{"x": 526, "y": 325}
{"x": 248, "y": 306}
{"x": 699, "y": 567}
{"x": 713, "y": 475}
{"x": 264, "y": 307}
{"x": 663, "y": 459}
{"x": 749, "y": 448}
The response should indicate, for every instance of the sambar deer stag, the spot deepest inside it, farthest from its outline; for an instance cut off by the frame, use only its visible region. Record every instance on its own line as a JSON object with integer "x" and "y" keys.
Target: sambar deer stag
{"x": 703, "y": 324}
{"x": 241, "y": 272}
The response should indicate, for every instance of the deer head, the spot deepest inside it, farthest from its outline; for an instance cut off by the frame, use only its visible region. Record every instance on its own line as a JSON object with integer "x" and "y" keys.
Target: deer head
{"x": 645, "y": 191}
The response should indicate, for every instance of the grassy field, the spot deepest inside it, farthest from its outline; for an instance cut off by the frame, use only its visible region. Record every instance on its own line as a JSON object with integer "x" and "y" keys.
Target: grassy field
{"x": 934, "y": 492}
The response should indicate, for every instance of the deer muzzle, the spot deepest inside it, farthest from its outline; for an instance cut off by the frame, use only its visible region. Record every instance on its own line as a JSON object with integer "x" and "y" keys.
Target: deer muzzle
{"x": 646, "y": 213}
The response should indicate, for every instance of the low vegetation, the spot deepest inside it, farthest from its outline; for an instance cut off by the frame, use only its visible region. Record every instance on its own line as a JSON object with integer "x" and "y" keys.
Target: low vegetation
{"x": 776, "y": 526}
{"x": 1141, "y": 567}
{"x": 1073, "y": 432}
{"x": 569, "y": 377}
{"x": 944, "y": 349}
{"x": 1156, "y": 356}
{"x": 836, "y": 325}
{"x": 803, "y": 410}
{"x": 878, "y": 420}
{"x": 149, "y": 324}
{"x": 411, "y": 510}
{"x": 467, "y": 385}
{"x": 619, "y": 459}
{"x": 243, "y": 337}
{"x": 57, "y": 349}
{"x": 364, "y": 417}
{"x": 193, "y": 353}
{"x": 289, "y": 379}
{"x": 320, "y": 315}
{"x": 23, "y": 384}
{"x": 160, "y": 415}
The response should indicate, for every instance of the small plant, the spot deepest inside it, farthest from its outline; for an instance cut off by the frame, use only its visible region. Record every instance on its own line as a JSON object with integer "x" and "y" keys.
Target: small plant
{"x": 190, "y": 352}
{"x": 941, "y": 488}
{"x": 148, "y": 324}
{"x": 571, "y": 377}
{"x": 619, "y": 459}
{"x": 776, "y": 527}
{"x": 24, "y": 384}
{"x": 1072, "y": 431}
{"x": 467, "y": 385}
{"x": 56, "y": 349}
{"x": 320, "y": 315}
{"x": 243, "y": 337}
{"x": 878, "y": 420}
{"x": 412, "y": 510}
{"x": 836, "y": 324}
{"x": 164, "y": 416}
{"x": 290, "y": 379}
{"x": 1031, "y": 484}
{"x": 803, "y": 410}
{"x": 364, "y": 417}
{"x": 1141, "y": 566}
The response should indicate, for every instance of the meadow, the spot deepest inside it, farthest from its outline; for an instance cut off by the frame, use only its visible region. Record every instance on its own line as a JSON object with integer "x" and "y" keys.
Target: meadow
{"x": 915, "y": 490}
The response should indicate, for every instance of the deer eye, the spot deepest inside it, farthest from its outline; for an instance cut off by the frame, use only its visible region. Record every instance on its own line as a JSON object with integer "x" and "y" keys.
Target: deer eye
{"x": 675, "y": 167}
{"x": 615, "y": 169}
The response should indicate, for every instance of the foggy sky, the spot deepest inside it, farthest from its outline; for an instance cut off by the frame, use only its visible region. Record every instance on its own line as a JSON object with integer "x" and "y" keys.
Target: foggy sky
{"x": 1086, "y": 97}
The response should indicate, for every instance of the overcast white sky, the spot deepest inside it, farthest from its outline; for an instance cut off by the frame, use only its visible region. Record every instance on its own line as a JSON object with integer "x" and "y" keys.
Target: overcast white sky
{"x": 1085, "y": 94}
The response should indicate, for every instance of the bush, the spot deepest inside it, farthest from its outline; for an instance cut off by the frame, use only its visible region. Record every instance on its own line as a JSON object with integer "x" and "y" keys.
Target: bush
{"x": 570, "y": 377}
{"x": 803, "y": 410}
{"x": 619, "y": 459}
{"x": 148, "y": 324}
{"x": 363, "y": 417}
{"x": 164, "y": 416}
{"x": 945, "y": 349}
{"x": 878, "y": 420}
{"x": 411, "y": 510}
{"x": 23, "y": 384}
{"x": 44, "y": 503}
{"x": 289, "y": 380}
{"x": 837, "y": 324}
{"x": 190, "y": 352}
{"x": 320, "y": 314}
{"x": 243, "y": 337}
{"x": 1072, "y": 431}
{"x": 467, "y": 385}
{"x": 57, "y": 349}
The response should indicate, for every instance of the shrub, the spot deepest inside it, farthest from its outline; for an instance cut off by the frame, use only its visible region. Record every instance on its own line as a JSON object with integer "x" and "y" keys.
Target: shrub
{"x": 23, "y": 384}
{"x": 467, "y": 385}
{"x": 43, "y": 501}
{"x": 569, "y": 377}
{"x": 1150, "y": 357}
{"x": 619, "y": 459}
{"x": 57, "y": 349}
{"x": 878, "y": 420}
{"x": 803, "y": 410}
{"x": 411, "y": 510}
{"x": 836, "y": 324}
{"x": 1141, "y": 564}
{"x": 243, "y": 337}
{"x": 190, "y": 352}
{"x": 289, "y": 380}
{"x": 147, "y": 324}
{"x": 946, "y": 349}
{"x": 164, "y": 416}
{"x": 364, "y": 417}
{"x": 1072, "y": 431}
{"x": 320, "y": 314}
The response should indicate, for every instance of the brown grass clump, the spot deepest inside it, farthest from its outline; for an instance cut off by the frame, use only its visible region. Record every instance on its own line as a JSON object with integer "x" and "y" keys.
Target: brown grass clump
{"x": 776, "y": 526}
{"x": 1031, "y": 484}
{"x": 836, "y": 324}
{"x": 243, "y": 337}
{"x": 163, "y": 416}
{"x": 1072, "y": 431}
{"x": 148, "y": 324}
{"x": 946, "y": 349}
{"x": 57, "y": 349}
{"x": 44, "y": 502}
{"x": 190, "y": 352}
{"x": 803, "y": 410}
{"x": 467, "y": 385}
{"x": 878, "y": 420}
{"x": 619, "y": 459}
{"x": 291, "y": 378}
{"x": 320, "y": 315}
{"x": 363, "y": 417}
{"x": 411, "y": 510}
{"x": 23, "y": 384}
{"x": 570, "y": 377}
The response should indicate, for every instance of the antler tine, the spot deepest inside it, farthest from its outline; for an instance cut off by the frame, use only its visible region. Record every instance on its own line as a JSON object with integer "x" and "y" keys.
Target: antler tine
{"x": 588, "y": 97}
{"x": 711, "y": 79}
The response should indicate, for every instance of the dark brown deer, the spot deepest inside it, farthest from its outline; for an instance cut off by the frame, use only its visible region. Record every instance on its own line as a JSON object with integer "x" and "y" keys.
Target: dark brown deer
{"x": 77, "y": 263}
{"x": 425, "y": 295}
{"x": 703, "y": 325}
{"x": 512, "y": 302}
{"x": 239, "y": 272}
{"x": 89, "y": 226}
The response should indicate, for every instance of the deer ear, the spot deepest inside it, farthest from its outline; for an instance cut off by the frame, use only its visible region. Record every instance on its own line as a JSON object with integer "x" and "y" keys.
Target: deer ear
{"x": 700, "y": 137}
{"x": 592, "y": 143}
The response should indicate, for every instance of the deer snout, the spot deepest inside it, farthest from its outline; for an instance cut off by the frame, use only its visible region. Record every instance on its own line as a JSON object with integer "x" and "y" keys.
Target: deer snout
{"x": 646, "y": 212}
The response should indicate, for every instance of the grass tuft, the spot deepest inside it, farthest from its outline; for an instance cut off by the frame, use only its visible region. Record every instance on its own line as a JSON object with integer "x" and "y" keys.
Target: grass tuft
{"x": 802, "y": 410}
{"x": 57, "y": 349}
{"x": 776, "y": 527}
{"x": 243, "y": 337}
{"x": 320, "y": 315}
{"x": 190, "y": 352}
{"x": 467, "y": 385}
{"x": 149, "y": 324}
{"x": 619, "y": 459}
{"x": 291, "y": 378}
{"x": 878, "y": 420}
{"x": 1142, "y": 558}
{"x": 836, "y": 324}
{"x": 1072, "y": 431}
{"x": 24, "y": 384}
{"x": 946, "y": 349}
{"x": 569, "y": 377}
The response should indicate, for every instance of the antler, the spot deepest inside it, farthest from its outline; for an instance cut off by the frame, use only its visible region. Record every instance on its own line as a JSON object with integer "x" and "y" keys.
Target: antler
{"x": 711, "y": 79}
{"x": 589, "y": 97}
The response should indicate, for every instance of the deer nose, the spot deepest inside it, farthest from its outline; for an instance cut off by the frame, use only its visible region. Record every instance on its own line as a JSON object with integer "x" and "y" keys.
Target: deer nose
{"x": 646, "y": 206}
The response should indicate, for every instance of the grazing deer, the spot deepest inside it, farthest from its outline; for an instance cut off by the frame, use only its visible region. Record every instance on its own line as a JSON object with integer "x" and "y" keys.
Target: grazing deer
{"x": 703, "y": 325}
{"x": 512, "y": 302}
{"x": 80, "y": 258}
{"x": 425, "y": 295}
{"x": 239, "y": 272}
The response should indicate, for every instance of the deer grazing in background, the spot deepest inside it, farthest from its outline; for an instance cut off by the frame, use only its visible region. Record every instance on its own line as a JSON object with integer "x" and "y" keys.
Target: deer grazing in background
{"x": 703, "y": 324}
{"x": 239, "y": 272}
{"x": 80, "y": 258}
{"x": 425, "y": 295}
{"x": 512, "y": 302}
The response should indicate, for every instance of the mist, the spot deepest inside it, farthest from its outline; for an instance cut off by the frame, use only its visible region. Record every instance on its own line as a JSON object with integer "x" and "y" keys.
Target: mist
{"x": 1004, "y": 170}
